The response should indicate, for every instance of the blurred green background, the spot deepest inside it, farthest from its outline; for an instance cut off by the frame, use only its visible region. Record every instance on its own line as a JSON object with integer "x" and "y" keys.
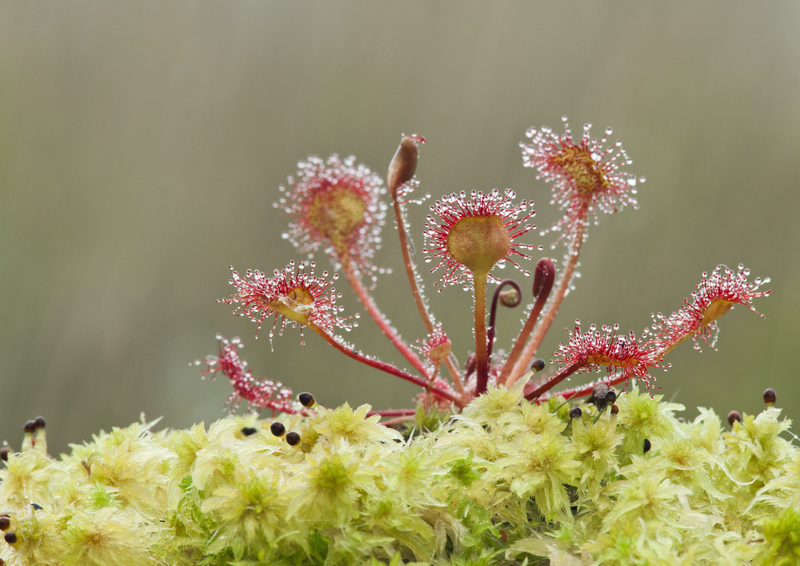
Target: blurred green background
{"x": 142, "y": 145}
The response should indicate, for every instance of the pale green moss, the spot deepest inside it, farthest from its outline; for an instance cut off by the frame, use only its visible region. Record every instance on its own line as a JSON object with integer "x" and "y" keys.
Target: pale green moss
{"x": 502, "y": 483}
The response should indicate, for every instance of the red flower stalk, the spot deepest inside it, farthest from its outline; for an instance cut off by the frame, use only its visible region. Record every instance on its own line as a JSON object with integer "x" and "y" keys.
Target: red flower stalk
{"x": 335, "y": 204}
{"x": 586, "y": 176}
{"x": 290, "y": 296}
{"x": 715, "y": 295}
{"x": 472, "y": 236}
{"x": 623, "y": 357}
{"x": 259, "y": 393}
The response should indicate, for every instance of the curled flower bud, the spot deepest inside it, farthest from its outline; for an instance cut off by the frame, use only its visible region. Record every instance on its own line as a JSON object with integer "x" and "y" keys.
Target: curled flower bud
{"x": 510, "y": 297}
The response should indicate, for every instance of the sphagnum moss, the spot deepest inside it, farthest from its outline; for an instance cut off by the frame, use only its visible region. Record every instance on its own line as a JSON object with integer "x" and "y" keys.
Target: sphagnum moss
{"x": 572, "y": 491}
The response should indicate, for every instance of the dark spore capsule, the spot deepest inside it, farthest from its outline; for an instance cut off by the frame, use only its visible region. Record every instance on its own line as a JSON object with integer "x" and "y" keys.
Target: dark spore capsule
{"x": 11, "y": 537}
{"x": 292, "y": 438}
{"x": 733, "y": 417}
{"x": 769, "y": 396}
{"x": 39, "y": 422}
{"x": 614, "y": 409}
{"x": 277, "y": 428}
{"x": 647, "y": 446}
{"x": 36, "y": 506}
{"x": 575, "y": 413}
{"x": 306, "y": 399}
{"x": 5, "y": 523}
{"x": 4, "y": 451}
{"x": 537, "y": 365}
{"x": 611, "y": 396}
{"x": 249, "y": 431}
{"x": 30, "y": 426}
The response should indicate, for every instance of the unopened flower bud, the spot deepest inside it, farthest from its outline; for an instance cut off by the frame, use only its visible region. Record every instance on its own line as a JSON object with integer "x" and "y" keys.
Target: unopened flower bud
{"x": 404, "y": 163}
{"x": 543, "y": 277}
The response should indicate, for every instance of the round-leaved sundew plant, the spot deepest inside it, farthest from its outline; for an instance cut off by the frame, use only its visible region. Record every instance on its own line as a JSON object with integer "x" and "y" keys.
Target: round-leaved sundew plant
{"x": 336, "y": 205}
{"x": 495, "y": 465}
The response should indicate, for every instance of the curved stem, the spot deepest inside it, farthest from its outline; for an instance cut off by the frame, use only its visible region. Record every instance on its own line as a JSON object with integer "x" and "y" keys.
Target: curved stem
{"x": 388, "y": 368}
{"x": 481, "y": 350}
{"x": 547, "y": 319}
{"x": 542, "y": 285}
{"x": 517, "y": 299}
{"x": 413, "y": 281}
{"x": 553, "y": 381}
{"x": 382, "y": 322}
